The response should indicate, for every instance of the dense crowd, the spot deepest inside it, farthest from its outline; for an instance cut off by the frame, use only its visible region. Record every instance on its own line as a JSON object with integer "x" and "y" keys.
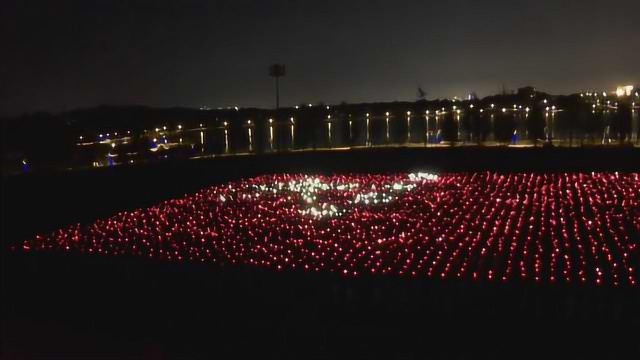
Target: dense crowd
{"x": 568, "y": 227}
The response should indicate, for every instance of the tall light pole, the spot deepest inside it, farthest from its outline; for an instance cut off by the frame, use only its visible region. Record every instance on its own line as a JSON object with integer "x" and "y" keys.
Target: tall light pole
{"x": 277, "y": 71}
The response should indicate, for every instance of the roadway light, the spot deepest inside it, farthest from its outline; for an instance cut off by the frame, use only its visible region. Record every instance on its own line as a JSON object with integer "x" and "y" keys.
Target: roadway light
{"x": 200, "y": 125}
{"x": 471, "y": 106}
{"x": 504, "y": 110}
{"x": 492, "y": 106}
{"x": 387, "y": 113}
{"x": 545, "y": 101}
{"x": 81, "y": 137}
{"x": 408, "y": 113}
{"x": 367, "y": 114}
{"x": 427, "y": 112}
{"x": 113, "y": 145}
{"x": 553, "y": 107}
{"x": 327, "y": 107}
{"x": 328, "y": 116}
{"x": 297, "y": 107}
{"x": 225, "y": 124}
{"x": 527, "y": 109}
{"x": 458, "y": 111}
{"x": 116, "y": 134}
{"x": 481, "y": 110}
{"x": 291, "y": 119}
{"x": 547, "y": 108}
{"x": 310, "y": 105}
{"x": 249, "y": 122}
{"x": 454, "y": 107}
{"x": 100, "y": 136}
{"x": 270, "y": 121}
{"x": 164, "y": 127}
{"x": 179, "y": 127}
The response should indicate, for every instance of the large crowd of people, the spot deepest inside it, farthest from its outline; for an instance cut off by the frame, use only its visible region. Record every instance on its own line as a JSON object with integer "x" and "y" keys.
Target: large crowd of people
{"x": 548, "y": 228}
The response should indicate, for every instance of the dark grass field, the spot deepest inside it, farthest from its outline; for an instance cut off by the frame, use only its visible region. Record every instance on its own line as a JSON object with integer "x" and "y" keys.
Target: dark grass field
{"x": 60, "y": 306}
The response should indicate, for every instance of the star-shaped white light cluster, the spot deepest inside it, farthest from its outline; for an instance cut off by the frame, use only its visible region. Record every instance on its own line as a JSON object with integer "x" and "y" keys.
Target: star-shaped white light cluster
{"x": 314, "y": 193}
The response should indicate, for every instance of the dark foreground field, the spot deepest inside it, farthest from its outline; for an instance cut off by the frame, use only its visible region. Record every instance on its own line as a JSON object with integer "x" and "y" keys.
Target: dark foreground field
{"x": 59, "y": 305}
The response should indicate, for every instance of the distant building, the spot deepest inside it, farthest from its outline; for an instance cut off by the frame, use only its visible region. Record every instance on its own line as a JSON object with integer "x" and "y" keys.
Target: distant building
{"x": 627, "y": 90}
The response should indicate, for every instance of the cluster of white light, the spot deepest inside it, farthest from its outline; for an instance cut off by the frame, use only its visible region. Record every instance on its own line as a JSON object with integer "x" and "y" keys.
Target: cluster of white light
{"x": 310, "y": 187}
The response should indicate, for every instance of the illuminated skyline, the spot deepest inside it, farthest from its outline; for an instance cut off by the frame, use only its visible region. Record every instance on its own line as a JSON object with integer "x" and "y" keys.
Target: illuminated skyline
{"x": 198, "y": 53}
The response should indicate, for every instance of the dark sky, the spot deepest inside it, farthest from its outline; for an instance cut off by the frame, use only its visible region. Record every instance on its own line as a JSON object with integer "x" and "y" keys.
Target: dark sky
{"x": 57, "y": 55}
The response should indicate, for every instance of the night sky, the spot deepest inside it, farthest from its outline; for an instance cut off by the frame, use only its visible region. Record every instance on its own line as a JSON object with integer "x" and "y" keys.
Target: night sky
{"x": 60, "y": 55}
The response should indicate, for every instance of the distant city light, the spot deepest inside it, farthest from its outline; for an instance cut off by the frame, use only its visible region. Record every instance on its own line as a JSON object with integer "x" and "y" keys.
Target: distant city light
{"x": 504, "y": 110}
{"x": 624, "y": 90}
